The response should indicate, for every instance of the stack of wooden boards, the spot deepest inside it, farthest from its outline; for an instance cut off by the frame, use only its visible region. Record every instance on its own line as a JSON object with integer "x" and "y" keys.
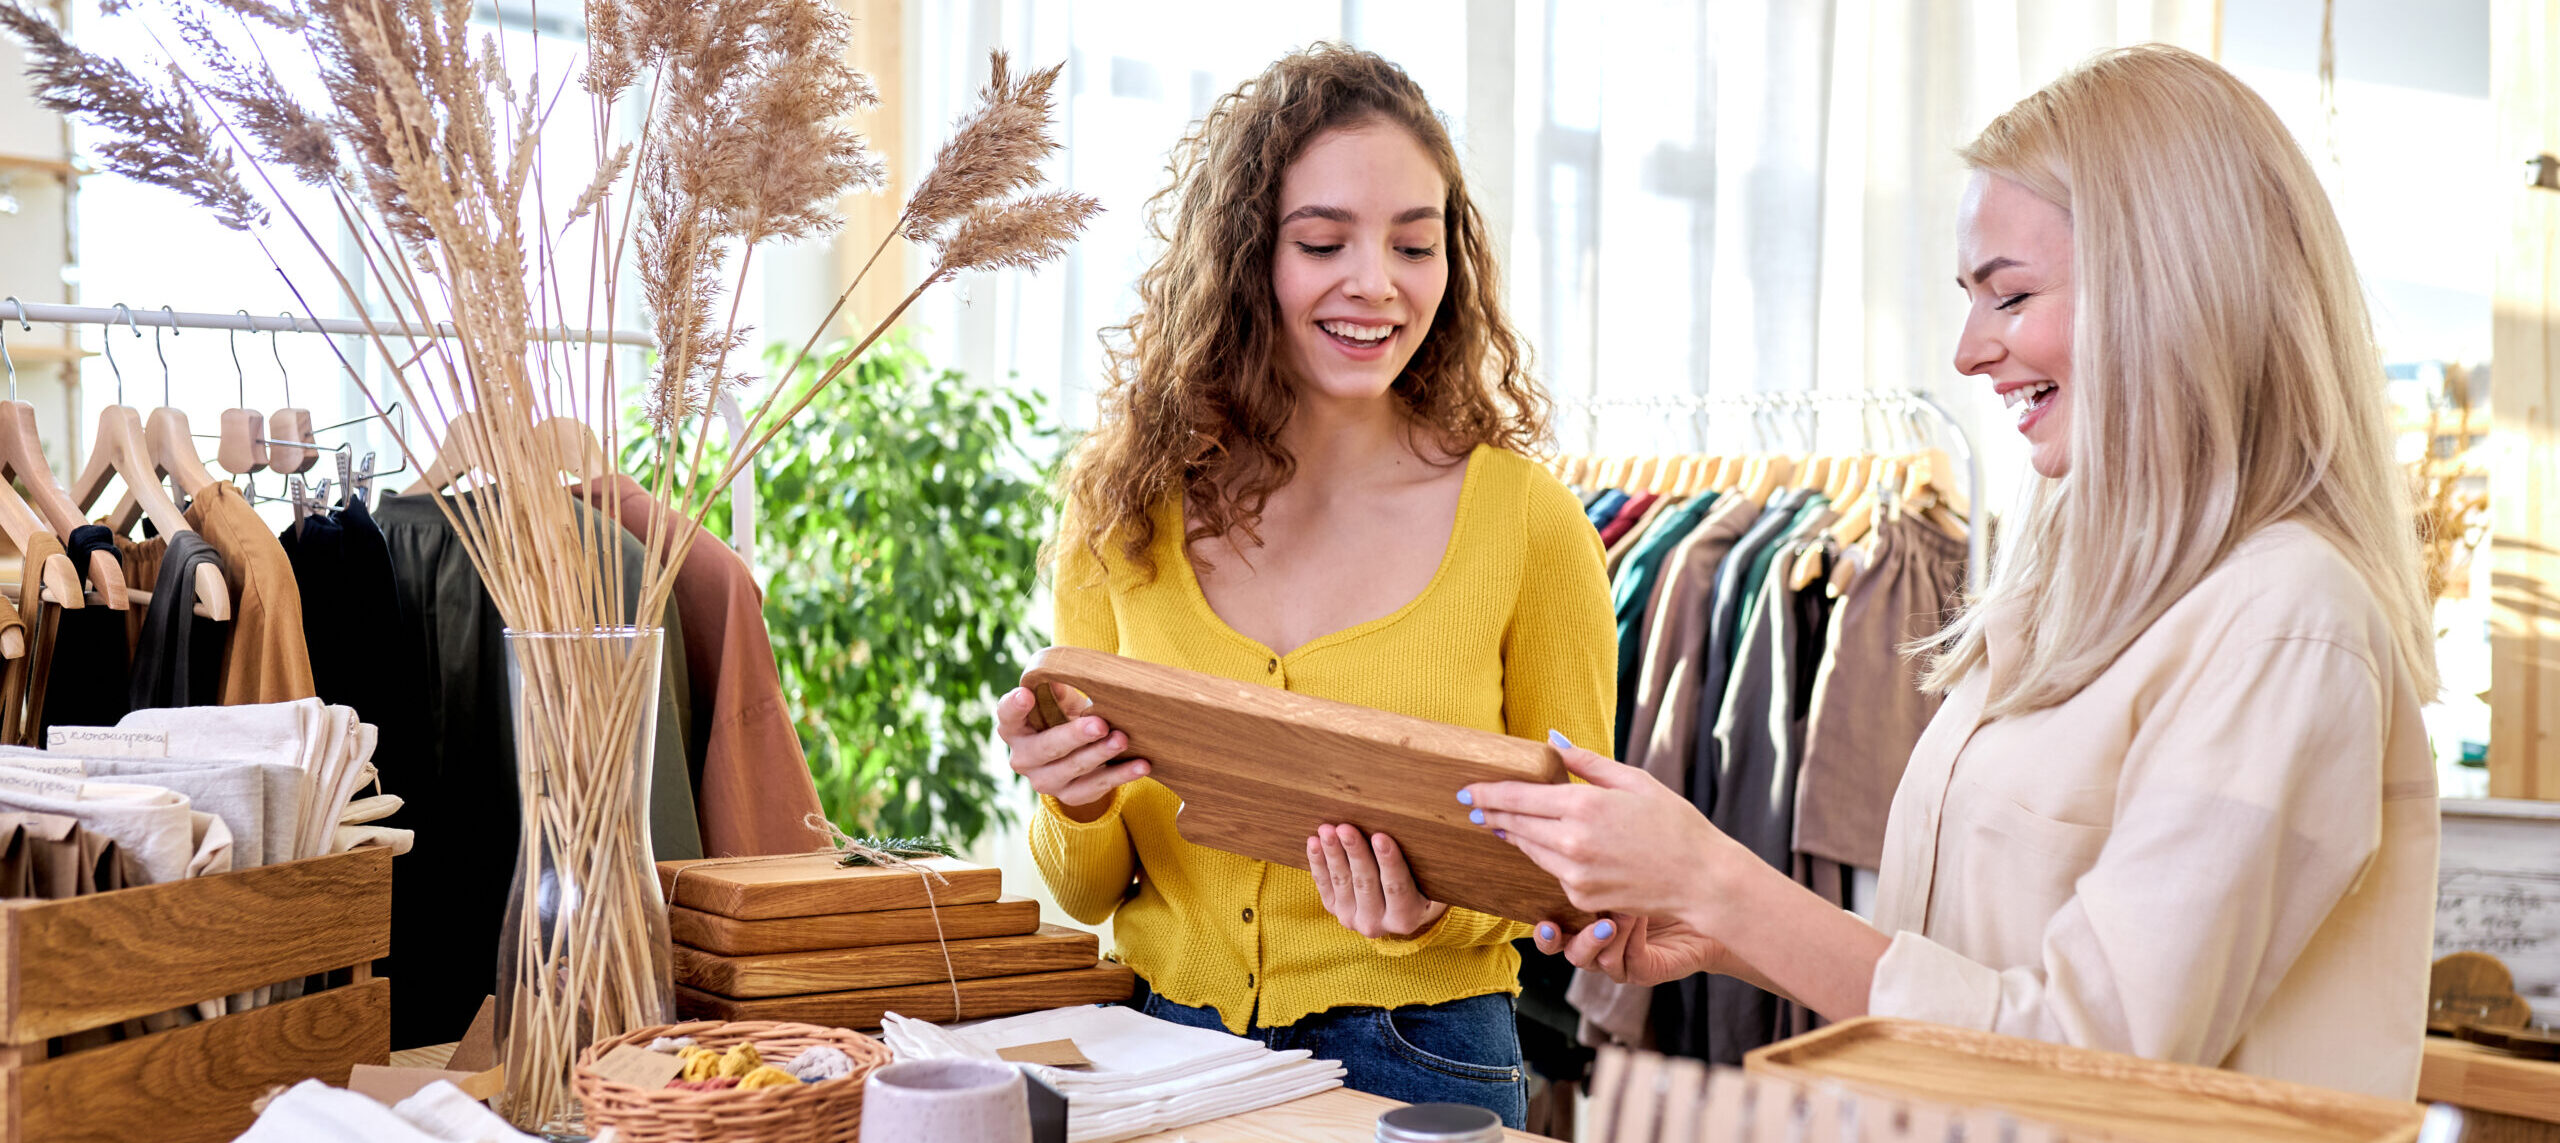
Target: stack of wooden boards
{"x": 804, "y": 939}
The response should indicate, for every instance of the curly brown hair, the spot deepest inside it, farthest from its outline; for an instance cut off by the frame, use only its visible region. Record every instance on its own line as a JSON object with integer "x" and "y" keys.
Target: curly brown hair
{"x": 1194, "y": 398}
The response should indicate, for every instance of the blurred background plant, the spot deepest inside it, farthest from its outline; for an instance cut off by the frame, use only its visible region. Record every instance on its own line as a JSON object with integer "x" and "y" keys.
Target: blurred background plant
{"x": 898, "y": 537}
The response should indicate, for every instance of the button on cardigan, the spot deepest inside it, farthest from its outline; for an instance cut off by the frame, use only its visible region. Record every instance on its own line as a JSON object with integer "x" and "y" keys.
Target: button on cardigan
{"x": 2221, "y": 852}
{"x": 1513, "y": 635}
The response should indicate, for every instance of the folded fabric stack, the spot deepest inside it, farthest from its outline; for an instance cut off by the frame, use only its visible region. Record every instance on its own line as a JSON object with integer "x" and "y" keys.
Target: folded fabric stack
{"x": 1148, "y": 1075}
{"x": 803, "y": 938}
{"x": 178, "y": 792}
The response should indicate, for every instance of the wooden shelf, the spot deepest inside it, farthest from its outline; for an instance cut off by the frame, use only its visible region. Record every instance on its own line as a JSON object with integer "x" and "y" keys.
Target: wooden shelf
{"x": 2468, "y": 1075}
{"x": 58, "y": 168}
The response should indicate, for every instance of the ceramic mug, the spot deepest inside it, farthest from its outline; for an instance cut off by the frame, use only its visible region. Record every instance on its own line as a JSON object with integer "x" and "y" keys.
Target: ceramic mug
{"x": 945, "y": 1101}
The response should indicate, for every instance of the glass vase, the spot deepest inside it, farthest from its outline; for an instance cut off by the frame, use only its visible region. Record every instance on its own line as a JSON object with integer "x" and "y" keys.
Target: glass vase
{"x": 584, "y": 953}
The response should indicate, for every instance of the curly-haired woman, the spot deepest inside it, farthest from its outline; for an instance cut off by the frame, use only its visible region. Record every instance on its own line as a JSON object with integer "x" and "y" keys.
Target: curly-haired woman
{"x": 1309, "y": 474}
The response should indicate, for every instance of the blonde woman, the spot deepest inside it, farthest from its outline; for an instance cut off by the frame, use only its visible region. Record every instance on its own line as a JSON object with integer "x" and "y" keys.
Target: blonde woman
{"x": 2178, "y": 801}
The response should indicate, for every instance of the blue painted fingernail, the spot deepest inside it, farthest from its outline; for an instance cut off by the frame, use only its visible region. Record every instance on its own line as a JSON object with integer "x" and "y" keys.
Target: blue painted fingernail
{"x": 1499, "y": 835}
{"x": 1466, "y": 797}
{"x": 1546, "y": 932}
{"x": 1476, "y": 816}
{"x": 1604, "y": 930}
{"x": 1557, "y": 739}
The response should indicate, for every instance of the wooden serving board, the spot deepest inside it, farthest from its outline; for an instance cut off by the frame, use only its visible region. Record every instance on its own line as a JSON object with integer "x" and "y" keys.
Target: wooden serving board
{"x": 1259, "y": 768}
{"x": 813, "y": 885}
{"x": 2088, "y": 1095}
{"x": 1053, "y": 948}
{"x": 861, "y": 1008}
{"x": 729, "y": 936}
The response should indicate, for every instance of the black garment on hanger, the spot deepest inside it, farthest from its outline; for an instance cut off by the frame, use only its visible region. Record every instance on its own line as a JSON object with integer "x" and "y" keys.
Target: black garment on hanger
{"x": 458, "y": 771}
{"x": 178, "y": 659}
{"x": 88, "y": 679}
{"x": 350, "y": 607}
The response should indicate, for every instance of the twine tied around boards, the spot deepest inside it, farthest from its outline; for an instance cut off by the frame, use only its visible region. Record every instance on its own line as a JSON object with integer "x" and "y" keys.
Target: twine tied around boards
{"x": 851, "y": 852}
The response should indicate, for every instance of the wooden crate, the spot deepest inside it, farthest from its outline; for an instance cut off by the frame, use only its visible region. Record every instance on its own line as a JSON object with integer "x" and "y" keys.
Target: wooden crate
{"x": 92, "y": 962}
{"x": 2089, "y": 1096}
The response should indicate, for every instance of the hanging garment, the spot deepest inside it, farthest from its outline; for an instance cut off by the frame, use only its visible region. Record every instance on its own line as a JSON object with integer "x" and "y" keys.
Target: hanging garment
{"x": 362, "y": 655}
{"x": 753, "y": 789}
{"x": 1760, "y": 739}
{"x": 1654, "y": 514}
{"x": 178, "y": 660}
{"x": 267, "y": 661}
{"x": 1625, "y": 520}
{"x": 1605, "y": 508}
{"x": 84, "y": 677}
{"x": 448, "y": 894}
{"x": 1673, "y": 667}
{"x": 1868, "y": 708}
{"x": 1631, "y": 596}
{"x": 1724, "y": 627}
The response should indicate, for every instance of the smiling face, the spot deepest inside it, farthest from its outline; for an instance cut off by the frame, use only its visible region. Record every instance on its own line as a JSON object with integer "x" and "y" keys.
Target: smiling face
{"x": 1361, "y": 262}
{"x": 2013, "y": 260}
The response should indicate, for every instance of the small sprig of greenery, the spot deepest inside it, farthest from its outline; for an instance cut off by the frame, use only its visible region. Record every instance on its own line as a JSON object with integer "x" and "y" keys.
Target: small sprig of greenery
{"x": 906, "y": 847}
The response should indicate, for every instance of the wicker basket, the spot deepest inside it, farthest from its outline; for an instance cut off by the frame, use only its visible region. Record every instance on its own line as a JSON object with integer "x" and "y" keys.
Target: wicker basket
{"x": 828, "y": 1111}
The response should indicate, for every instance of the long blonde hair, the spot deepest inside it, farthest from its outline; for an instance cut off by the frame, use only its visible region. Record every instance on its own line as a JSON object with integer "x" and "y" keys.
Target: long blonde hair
{"x": 2224, "y": 375}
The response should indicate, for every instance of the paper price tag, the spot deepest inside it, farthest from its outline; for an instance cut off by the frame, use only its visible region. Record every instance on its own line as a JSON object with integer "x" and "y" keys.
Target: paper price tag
{"x": 69, "y": 768}
{"x": 639, "y": 1067}
{"x": 107, "y": 742}
{"x": 1049, "y": 1053}
{"x": 40, "y": 785}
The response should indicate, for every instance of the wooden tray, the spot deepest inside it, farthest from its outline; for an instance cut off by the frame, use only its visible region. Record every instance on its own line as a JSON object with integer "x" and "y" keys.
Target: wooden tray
{"x": 1053, "y": 948}
{"x": 729, "y": 936}
{"x": 91, "y": 962}
{"x": 813, "y": 885}
{"x": 1259, "y": 768}
{"x": 1102, "y": 983}
{"x": 2088, "y": 1095}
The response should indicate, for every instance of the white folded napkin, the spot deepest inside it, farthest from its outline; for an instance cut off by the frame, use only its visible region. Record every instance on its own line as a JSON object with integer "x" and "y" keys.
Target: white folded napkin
{"x": 1149, "y": 1075}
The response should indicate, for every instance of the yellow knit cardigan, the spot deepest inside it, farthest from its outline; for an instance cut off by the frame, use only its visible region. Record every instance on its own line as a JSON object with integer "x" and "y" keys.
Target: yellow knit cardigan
{"x": 1514, "y": 634}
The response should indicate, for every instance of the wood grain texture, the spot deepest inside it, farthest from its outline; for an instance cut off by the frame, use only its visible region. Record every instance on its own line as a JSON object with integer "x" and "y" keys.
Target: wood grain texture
{"x": 2087, "y": 1094}
{"x": 2471, "y": 1076}
{"x": 1053, "y": 948}
{"x": 87, "y": 962}
{"x": 729, "y": 936}
{"x": 861, "y": 1008}
{"x": 195, "y": 1084}
{"x": 1259, "y": 768}
{"x": 813, "y": 885}
{"x": 2524, "y": 399}
{"x": 1338, "y": 1116}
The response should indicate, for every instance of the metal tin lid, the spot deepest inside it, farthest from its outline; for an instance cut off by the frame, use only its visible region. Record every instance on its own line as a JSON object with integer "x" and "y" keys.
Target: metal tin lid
{"x": 1439, "y": 1123}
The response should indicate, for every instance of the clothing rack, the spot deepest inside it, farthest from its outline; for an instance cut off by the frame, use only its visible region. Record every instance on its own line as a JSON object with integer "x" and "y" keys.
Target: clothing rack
{"x": 286, "y": 323}
{"x": 1977, "y": 534}
{"x": 742, "y": 528}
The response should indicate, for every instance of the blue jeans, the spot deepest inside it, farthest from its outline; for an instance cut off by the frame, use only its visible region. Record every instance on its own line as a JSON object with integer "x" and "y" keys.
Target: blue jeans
{"x": 1464, "y": 1051}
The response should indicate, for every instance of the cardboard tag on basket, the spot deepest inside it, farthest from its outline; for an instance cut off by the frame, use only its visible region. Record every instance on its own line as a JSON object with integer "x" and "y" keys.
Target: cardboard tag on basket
{"x": 640, "y": 1067}
{"x": 1049, "y": 1053}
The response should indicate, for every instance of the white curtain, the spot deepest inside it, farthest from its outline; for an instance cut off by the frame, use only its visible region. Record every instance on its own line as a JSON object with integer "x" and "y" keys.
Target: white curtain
{"x": 1700, "y": 196}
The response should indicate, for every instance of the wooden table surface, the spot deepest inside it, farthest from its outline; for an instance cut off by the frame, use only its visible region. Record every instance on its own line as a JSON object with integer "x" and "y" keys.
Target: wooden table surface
{"x": 1338, "y": 1116}
{"x": 2468, "y": 1075}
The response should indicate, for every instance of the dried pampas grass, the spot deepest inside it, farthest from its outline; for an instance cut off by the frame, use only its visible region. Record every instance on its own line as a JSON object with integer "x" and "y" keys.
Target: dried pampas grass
{"x": 432, "y": 157}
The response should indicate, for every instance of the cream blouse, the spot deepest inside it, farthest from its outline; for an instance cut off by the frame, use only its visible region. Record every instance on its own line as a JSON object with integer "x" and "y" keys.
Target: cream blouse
{"x": 2223, "y": 851}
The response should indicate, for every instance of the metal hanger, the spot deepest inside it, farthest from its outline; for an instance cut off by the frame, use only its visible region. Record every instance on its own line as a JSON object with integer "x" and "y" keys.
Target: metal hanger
{"x": 289, "y": 444}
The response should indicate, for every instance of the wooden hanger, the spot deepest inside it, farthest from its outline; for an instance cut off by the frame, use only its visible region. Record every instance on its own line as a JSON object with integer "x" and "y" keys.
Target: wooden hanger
{"x": 118, "y": 452}
{"x": 581, "y": 455}
{"x": 22, "y": 459}
{"x": 244, "y": 439}
{"x": 463, "y": 451}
